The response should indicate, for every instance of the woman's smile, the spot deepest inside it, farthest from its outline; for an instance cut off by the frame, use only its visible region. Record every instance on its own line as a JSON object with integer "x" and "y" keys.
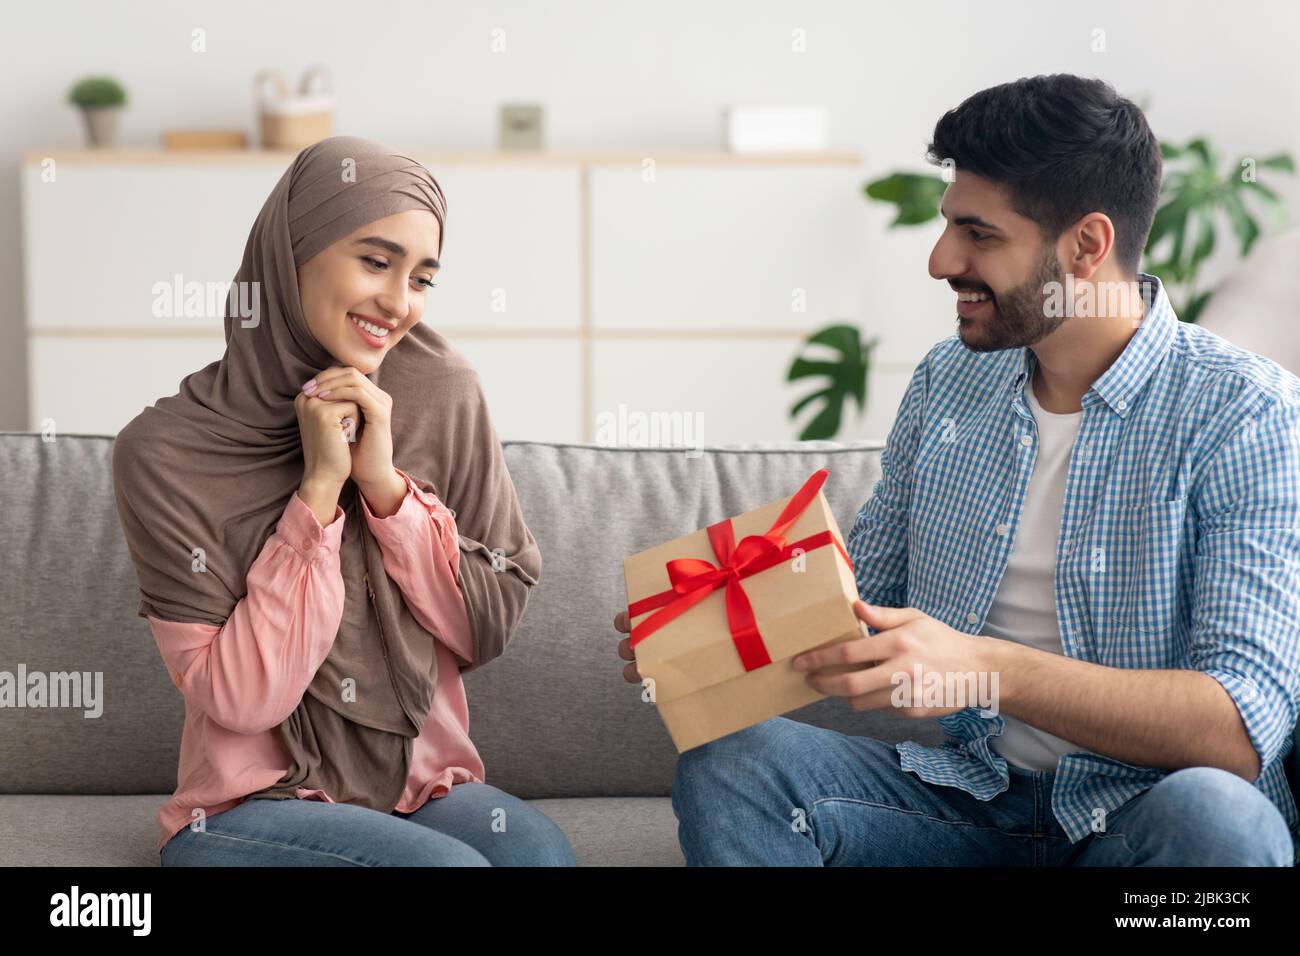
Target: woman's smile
{"x": 373, "y": 332}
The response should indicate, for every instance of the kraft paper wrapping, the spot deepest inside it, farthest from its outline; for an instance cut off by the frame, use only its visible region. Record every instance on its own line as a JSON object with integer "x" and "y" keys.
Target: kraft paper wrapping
{"x": 698, "y": 681}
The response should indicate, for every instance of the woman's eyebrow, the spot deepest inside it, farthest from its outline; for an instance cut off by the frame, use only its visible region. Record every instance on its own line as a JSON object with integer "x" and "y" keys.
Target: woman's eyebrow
{"x": 396, "y": 249}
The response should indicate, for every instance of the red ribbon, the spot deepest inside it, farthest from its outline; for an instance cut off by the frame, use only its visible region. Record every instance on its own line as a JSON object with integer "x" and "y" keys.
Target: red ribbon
{"x": 694, "y": 579}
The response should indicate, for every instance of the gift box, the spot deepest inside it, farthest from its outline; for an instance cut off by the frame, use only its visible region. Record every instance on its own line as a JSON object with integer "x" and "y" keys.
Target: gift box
{"x": 719, "y": 614}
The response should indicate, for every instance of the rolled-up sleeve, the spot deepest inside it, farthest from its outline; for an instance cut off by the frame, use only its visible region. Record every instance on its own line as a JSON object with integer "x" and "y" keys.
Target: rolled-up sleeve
{"x": 1246, "y": 609}
{"x": 878, "y": 541}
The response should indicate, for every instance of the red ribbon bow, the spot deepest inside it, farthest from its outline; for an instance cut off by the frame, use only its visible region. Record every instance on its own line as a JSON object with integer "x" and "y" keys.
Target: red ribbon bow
{"x": 694, "y": 579}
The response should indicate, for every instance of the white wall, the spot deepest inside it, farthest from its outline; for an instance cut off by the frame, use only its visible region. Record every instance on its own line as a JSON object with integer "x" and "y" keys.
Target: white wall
{"x": 645, "y": 76}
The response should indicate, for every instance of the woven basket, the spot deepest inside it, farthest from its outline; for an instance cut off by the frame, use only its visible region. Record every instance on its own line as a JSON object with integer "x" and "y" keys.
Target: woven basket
{"x": 294, "y": 120}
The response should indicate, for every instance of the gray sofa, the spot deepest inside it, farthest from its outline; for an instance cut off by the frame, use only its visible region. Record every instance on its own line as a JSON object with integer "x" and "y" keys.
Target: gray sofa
{"x": 553, "y": 718}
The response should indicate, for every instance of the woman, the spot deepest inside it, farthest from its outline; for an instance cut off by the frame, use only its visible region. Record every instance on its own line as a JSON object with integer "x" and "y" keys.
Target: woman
{"x": 315, "y": 603}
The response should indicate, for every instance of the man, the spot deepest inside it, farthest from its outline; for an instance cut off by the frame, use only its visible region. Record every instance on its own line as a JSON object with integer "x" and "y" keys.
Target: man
{"x": 1086, "y": 501}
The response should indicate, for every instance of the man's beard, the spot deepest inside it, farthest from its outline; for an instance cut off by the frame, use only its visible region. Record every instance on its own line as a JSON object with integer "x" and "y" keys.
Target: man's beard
{"x": 1018, "y": 317}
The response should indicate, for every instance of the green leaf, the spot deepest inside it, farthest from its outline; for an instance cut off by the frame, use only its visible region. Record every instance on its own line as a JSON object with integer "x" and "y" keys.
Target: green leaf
{"x": 1161, "y": 271}
{"x": 1204, "y": 239}
{"x": 808, "y": 399}
{"x": 914, "y": 215}
{"x": 1242, "y": 223}
{"x": 916, "y": 195}
{"x": 1192, "y": 311}
{"x": 825, "y": 425}
{"x": 1281, "y": 161}
{"x": 1202, "y": 148}
{"x": 892, "y": 188}
{"x": 1179, "y": 231}
{"x": 1263, "y": 190}
{"x": 1171, "y": 217}
{"x": 846, "y": 378}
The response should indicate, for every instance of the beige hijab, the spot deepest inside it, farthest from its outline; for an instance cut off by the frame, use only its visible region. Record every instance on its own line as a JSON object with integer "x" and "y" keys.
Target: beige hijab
{"x": 213, "y": 468}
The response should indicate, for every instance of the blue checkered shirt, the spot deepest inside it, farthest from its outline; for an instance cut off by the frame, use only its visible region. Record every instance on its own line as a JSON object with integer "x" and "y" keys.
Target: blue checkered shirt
{"x": 1179, "y": 544}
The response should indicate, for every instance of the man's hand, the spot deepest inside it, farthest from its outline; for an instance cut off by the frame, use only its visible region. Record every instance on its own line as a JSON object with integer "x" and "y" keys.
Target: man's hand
{"x": 906, "y": 639}
{"x": 623, "y": 625}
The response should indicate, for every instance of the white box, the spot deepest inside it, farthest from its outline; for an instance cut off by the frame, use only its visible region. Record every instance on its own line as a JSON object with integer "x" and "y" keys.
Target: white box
{"x": 766, "y": 129}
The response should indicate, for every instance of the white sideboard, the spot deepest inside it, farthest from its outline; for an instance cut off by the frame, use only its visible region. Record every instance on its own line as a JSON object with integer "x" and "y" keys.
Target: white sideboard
{"x": 587, "y": 289}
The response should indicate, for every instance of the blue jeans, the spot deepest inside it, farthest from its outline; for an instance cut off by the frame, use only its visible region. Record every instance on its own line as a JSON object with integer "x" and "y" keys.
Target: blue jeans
{"x": 784, "y": 793}
{"x": 473, "y": 825}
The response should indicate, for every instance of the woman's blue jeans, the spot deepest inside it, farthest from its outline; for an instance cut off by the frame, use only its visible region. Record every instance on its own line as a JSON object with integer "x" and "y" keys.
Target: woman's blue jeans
{"x": 784, "y": 793}
{"x": 473, "y": 825}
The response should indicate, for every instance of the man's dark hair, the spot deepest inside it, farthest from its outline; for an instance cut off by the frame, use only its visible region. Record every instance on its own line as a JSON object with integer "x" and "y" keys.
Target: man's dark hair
{"x": 1061, "y": 146}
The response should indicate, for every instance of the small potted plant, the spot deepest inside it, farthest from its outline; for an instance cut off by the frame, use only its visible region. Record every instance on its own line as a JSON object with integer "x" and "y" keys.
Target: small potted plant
{"x": 100, "y": 99}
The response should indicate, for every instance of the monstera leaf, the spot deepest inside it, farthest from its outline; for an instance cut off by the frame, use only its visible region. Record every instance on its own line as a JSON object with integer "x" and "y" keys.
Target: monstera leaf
{"x": 846, "y": 377}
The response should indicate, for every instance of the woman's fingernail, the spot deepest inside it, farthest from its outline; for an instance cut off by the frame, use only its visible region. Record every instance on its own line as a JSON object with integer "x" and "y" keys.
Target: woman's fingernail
{"x": 323, "y": 394}
{"x": 800, "y": 663}
{"x": 309, "y": 386}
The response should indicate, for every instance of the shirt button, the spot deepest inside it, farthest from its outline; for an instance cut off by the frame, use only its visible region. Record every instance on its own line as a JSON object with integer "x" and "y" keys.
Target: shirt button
{"x": 1026, "y": 439}
{"x": 306, "y": 544}
{"x": 1002, "y": 529}
{"x": 1121, "y": 404}
{"x": 972, "y": 618}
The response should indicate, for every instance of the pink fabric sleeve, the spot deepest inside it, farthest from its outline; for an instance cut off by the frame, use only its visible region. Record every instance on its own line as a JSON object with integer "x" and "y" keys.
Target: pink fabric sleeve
{"x": 421, "y": 553}
{"x": 249, "y": 674}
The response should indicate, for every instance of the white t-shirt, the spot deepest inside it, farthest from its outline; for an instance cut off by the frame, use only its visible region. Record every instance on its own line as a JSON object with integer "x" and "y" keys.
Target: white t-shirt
{"x": 1024, "y": 608}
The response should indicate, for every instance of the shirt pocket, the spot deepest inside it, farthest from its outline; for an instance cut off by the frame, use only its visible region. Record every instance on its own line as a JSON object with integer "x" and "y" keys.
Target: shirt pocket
{"x": 1133, "y": 566}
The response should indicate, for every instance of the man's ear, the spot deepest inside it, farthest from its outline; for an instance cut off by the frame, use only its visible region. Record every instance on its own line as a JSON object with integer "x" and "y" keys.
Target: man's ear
{"x": 1089, "y": 244}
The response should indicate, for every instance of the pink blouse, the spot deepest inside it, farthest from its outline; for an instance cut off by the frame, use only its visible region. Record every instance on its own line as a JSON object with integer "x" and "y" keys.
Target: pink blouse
{"x": 241, "y": 680}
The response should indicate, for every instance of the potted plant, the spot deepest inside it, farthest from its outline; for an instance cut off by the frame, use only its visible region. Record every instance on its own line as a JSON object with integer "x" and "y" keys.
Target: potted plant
{"x": 1197, "y": 190}
{"x": 100, "y": 99}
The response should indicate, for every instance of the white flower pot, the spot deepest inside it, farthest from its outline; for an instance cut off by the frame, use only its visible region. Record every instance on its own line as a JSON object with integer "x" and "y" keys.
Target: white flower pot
{"x": 101, "y": 124}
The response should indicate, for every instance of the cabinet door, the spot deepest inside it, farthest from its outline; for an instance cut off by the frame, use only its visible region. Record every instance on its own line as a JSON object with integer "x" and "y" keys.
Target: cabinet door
{"x": 746, "y": 249}
{"x": 95, "y": 386}
{"x": 104, "y": 245}
{"x": 533, "y": 386}
{"x": 511, "y": 253}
